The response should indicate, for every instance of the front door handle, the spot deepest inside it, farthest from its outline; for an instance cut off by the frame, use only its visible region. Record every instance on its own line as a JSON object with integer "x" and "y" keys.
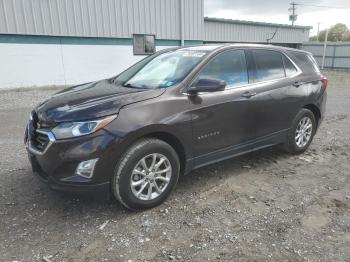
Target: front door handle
{"x": 248, "y": 94}
{"x": 297, "y": 84}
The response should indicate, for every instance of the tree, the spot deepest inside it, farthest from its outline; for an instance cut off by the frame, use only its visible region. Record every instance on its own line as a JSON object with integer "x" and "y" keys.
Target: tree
{"x": 347, "y": 37}
{"x": 313, "y": 38}
{"x": 338, "y": 32}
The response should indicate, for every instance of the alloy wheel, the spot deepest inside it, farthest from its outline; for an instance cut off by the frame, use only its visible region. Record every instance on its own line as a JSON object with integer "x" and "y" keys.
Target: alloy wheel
{"x": 151, "y": 176}
{"x": 303, "y": 132}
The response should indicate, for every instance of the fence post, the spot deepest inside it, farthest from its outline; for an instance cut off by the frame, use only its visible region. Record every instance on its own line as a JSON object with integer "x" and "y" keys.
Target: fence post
{"x": 324, "y": 49}
{"x": 333, "y": 58}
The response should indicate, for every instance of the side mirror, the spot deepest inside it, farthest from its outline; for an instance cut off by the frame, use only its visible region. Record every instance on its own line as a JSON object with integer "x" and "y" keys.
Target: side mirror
{"x": 207, "y": 85}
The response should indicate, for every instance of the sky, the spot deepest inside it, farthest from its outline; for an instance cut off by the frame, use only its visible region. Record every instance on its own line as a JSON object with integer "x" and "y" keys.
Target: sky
{"x": 276, "y": 11}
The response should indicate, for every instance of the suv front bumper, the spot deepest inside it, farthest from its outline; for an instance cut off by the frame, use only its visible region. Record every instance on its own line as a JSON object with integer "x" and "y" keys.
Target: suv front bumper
{"x": 56, "y": 164}
{"x": 57, "y": 185}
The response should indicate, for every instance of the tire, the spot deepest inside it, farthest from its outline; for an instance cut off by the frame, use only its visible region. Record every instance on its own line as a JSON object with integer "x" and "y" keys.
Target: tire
{"x": 131, "y": 169}
{"x": 295, "y": 146}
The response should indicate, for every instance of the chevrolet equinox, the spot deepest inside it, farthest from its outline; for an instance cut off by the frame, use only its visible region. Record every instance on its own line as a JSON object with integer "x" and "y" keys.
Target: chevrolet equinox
{"x": 179, "y": 109}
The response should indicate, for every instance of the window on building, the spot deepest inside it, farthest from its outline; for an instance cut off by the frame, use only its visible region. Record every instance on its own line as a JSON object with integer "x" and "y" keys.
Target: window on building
{"x": 289, "y": 67}
{"x": 144, "y": 44}
{"x": 269, "y": 65}
{"x": 229, "y": 66}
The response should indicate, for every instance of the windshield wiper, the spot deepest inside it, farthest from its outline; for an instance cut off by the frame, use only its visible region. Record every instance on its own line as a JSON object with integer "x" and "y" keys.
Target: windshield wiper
{"x": 130, "y": 85}
{"x": 133, "y": 86}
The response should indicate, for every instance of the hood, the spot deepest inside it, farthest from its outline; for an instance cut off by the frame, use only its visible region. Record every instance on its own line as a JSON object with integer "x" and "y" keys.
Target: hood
{"x": 90, "y": 101}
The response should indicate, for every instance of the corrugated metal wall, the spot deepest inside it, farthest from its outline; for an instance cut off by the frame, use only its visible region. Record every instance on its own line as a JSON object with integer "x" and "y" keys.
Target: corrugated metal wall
{"x": 239, "y": 32}
{"x": 122, "y": 18}
{"x": 101, "y": 18}
{"x": 337, "y": 54}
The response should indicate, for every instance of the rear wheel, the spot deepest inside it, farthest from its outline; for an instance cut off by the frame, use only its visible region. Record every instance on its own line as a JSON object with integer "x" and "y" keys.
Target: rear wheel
{"x": 146, "y": 174}
{"x": 302, "y": 132}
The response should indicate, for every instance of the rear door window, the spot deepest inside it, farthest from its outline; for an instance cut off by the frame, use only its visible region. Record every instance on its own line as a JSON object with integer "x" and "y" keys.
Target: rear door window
{"x": 269, "y": 65}
{"x": 229, "y": 66}
{"x": 289, "y": 67}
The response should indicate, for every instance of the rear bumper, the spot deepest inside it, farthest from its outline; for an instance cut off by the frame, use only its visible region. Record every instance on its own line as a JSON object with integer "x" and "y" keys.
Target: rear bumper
{"x": 322, "y": 106}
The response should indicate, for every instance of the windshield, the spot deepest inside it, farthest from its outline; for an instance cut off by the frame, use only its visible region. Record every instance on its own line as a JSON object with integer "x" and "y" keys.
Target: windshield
{"x": 164, "y": 70}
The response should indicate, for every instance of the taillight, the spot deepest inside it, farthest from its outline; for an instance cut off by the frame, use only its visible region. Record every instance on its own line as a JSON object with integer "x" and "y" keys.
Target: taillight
{"x": 324, "y": 81}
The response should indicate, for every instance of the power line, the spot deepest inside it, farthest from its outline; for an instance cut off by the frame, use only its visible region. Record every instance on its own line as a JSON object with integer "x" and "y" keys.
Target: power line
{"x": 324, "y": 6}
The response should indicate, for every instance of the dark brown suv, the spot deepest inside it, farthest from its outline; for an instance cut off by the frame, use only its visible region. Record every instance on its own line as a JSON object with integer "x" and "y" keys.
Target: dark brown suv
{"x": 174, "y": 111}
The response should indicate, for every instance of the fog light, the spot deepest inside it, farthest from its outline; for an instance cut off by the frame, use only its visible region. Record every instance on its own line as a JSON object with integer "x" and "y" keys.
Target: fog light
{"x": 86, "y": 168}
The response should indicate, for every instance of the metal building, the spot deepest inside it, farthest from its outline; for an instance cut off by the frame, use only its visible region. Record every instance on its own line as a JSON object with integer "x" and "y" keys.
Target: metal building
{"x": 103, "y": 18}
{"x": 59, "y": 42}
{"x": 227, "y": 30}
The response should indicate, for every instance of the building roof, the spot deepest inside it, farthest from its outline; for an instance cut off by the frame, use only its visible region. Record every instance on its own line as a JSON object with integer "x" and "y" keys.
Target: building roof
{"x": 211, "y": 47}
{"x": 208, "y": 47}
{"x": 243, "y": 22}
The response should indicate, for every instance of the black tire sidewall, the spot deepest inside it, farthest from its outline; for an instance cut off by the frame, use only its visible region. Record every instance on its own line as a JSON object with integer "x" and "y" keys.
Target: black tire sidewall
{"x": 292, "y": 146}
{"x": 123, "y": 173}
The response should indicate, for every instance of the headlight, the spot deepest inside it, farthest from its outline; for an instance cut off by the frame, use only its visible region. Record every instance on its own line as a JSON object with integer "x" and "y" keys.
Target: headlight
{"x": 74, "y": 129}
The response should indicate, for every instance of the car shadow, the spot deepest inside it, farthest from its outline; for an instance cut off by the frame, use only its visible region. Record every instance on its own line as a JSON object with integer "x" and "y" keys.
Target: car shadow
{"x": 251, "y": 161}
{"x": 64, "y": 205}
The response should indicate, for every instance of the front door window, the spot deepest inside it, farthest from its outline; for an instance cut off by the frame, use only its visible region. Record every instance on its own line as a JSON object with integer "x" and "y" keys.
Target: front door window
{"x": 229, "y": 66}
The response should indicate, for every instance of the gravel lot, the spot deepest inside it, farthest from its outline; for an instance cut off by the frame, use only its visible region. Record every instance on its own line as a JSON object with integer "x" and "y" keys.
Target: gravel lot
{"x": 265, "y": 206}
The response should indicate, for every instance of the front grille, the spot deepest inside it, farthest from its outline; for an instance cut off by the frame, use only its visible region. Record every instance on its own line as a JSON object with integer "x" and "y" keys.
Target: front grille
{"x": 39, "y": 140}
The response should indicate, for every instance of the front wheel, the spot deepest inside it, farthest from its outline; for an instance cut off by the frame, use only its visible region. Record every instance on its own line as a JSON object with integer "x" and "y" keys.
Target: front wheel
{"x": 146, "y": 174}
{"x": 302, "y": 132}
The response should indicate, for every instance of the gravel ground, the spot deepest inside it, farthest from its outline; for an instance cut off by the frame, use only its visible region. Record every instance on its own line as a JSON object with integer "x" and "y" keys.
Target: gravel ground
{"x": 265, "y": 206}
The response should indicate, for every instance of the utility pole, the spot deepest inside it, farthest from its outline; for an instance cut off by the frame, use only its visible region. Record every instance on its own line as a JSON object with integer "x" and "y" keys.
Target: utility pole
{"x": 318, "y": 30}
{"x": 293, "y": 16}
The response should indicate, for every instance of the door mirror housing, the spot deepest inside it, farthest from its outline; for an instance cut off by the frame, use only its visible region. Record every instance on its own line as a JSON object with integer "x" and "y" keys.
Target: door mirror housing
{"x": 207, "y": 85}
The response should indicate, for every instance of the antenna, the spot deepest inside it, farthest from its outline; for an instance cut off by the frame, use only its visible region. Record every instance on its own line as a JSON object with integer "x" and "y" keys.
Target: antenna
{"x": 273, "y": 35}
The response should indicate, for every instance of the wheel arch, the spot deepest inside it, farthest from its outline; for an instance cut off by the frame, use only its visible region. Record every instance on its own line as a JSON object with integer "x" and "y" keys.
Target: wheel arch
{"x": 163, "y": 133}
{"x": 174, "y": 142}
{"x": 315, "y": 110}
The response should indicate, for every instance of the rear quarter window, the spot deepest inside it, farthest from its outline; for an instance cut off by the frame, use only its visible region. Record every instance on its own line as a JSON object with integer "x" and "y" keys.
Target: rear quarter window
{"x": 305, "y": 61}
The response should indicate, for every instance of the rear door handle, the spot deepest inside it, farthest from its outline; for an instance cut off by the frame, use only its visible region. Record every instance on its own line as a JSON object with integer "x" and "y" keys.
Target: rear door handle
{"x": 297, "y": 84}
{"x": 248, "y": 94}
